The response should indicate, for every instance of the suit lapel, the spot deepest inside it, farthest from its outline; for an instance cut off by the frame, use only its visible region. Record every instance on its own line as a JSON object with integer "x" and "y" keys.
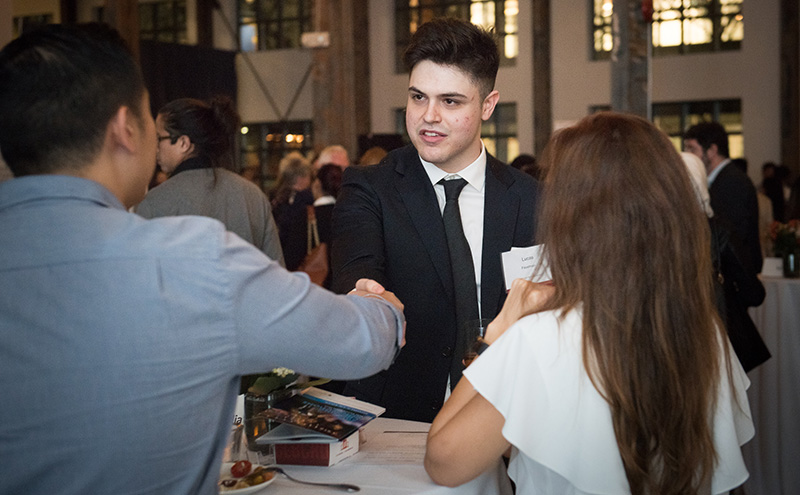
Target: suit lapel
{"x": 419, "y": 199}
{"x": 499, "y": 222}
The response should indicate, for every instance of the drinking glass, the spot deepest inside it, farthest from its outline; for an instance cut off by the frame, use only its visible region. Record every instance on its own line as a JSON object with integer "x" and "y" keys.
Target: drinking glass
{"x": 474, "y": 331}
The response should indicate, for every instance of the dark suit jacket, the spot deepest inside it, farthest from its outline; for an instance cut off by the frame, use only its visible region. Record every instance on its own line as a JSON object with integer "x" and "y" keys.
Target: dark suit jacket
{"x": 734, "y": 201}
{"x": 387, "y": 226}
{"x": 735, "y": 205}
{"x": 737, "y": 288}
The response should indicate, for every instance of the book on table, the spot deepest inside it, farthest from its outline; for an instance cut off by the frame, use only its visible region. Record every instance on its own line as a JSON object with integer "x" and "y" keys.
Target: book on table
{"x": 316, "y": 427}
{"x": 317, "y": 416}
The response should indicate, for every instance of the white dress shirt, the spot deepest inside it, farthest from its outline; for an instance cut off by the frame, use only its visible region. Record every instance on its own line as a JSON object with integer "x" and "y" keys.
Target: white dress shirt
{"x": 470, "y": 204}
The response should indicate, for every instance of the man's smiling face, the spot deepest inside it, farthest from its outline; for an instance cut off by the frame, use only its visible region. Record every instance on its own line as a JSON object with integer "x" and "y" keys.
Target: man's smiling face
{"x": 444, "y": 115}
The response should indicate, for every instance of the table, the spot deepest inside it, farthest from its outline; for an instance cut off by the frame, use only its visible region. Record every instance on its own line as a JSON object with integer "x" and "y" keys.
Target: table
{"x": 376, "y": 470}
{"x": 772, "y": 456}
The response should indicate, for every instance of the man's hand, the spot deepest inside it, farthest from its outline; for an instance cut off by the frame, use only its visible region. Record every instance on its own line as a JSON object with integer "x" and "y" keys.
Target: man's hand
{"x": 524, "y": 298}
{"x": 366, "y": 287}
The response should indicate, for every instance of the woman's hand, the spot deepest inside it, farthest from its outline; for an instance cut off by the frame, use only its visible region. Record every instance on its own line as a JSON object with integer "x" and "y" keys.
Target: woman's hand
{"x": 524, "y": 298}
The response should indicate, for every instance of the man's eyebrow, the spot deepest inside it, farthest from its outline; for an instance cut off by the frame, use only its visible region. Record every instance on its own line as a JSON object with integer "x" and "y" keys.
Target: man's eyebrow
{"x": 443, "y": 95}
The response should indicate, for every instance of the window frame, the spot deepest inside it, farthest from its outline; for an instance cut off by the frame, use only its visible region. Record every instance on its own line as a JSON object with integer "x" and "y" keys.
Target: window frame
{"x": 268, "y": 144}
{"x": 272, "y": 32}
{"x": 174, "y": 31}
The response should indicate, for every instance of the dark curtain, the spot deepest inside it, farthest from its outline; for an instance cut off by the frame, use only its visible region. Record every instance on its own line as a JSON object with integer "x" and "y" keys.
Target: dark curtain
{"x": 174, "y": 71}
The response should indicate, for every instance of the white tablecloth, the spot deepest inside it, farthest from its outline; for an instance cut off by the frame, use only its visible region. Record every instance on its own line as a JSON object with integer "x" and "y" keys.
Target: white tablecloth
{"x": 773, "y": 456}
{"x": 375, "y": 474}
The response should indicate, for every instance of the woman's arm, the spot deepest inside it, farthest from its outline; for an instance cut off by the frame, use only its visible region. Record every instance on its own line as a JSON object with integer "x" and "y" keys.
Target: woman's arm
{"x": 465, "y": 439}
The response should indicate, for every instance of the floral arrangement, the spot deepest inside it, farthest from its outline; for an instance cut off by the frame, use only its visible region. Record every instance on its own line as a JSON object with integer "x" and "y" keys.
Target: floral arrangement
{"x": 785, "y": 237}
{"x": 278, "y": 380}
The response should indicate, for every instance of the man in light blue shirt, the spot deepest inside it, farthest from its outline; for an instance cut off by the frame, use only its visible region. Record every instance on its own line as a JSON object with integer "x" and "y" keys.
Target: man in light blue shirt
{"x": 122, "y": 340}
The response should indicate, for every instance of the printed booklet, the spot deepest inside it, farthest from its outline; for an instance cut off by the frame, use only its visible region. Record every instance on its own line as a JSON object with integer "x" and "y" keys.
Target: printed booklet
{"x": 317, "y": 416}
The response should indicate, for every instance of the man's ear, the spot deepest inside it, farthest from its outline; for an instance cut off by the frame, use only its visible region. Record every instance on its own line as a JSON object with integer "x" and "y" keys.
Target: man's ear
{"x": 489, "y": 103}
{"x": 713, "y": 150}
{"x": 185, "y": 143}
{"x": 121, "y": 128}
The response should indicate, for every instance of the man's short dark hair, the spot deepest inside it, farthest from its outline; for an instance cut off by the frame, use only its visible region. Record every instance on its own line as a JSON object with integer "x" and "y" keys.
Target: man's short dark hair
{"x": 708, "y": 133}
{"x": 60, "y": 85}
{"x": 460, "y": 44}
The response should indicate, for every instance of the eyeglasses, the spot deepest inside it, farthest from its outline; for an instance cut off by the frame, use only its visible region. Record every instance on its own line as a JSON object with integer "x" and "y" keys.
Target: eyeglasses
{"x": 161, "y": 138}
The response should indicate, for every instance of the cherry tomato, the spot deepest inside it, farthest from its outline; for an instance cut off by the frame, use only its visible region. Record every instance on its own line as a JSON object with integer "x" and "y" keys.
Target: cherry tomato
{"x": 240, "y": 469}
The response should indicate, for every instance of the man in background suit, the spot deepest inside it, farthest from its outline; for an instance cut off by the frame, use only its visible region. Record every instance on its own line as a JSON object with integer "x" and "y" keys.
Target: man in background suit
{"x": 734, "y": 201}
{"x": 388, "y": 221}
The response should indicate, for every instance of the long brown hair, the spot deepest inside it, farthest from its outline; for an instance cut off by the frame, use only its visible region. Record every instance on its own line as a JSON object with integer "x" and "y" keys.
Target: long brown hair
{"x": 625, "y": 240}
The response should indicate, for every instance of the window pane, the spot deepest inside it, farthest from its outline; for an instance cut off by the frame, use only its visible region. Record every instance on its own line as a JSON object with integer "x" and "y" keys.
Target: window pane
{"x": 247, "y": 11}
{"x": 278, "y": 23}
{"x": 698, "y": 31}
{"x": 248, "y": 37}
{"x": 146, "y": 17}
{"x": 291, "y": 9}
{"x": 667, "y": 33}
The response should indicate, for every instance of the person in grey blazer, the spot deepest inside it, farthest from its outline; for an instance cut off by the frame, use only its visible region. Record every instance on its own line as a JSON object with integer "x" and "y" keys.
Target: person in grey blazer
{"x": 388, "y": 225}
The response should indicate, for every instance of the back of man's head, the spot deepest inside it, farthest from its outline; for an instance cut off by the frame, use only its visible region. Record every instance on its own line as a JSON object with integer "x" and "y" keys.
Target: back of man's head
{"x": 708, "y": 133}
{"x": 59, "y": 88}
{"x": 459, "y": 44}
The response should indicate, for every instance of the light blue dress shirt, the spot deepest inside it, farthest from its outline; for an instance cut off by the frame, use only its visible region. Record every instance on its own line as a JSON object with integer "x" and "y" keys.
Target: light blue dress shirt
{"x": 122, "y": 340}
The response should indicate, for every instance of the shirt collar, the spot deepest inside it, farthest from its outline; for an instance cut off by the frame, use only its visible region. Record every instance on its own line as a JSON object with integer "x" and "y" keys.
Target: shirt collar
{"x": 53, "y": 186}
{"x": 474, "y": 173}
{"x": 324, "y": 200}
{"x": 713, "y": 175}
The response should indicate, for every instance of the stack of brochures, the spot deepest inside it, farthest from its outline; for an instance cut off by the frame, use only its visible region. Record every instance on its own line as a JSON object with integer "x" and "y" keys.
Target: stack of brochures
{"x": 317, "y": 427}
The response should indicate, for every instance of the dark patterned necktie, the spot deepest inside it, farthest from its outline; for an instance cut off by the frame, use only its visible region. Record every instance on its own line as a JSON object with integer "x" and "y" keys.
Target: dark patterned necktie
{"x": 463, "y": 270}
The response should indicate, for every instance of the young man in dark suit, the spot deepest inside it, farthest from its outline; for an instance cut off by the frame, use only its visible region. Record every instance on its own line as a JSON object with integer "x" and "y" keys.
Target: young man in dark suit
{"x": 392, "y": 221}
{"x": 734, "y": 202}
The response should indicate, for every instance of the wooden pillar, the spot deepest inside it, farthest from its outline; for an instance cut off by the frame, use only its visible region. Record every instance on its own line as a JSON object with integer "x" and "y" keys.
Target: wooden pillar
{"x": 341, "y": 74}
{"x": 630, "y": 59}
{"x": 69, "y": 11}
{"x": 542, "y": 77}
{"x": 205, "y": 23}
{"x": 123, "y": 15}
{"x": 790, "y": 85}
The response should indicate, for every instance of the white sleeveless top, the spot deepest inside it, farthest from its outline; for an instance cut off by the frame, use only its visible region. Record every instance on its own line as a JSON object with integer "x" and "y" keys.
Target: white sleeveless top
{"x": 559, "y": 425}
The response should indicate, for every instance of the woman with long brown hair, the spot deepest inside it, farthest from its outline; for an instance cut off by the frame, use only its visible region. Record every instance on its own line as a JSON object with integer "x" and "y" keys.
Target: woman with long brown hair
{"x": 622, "y": 380}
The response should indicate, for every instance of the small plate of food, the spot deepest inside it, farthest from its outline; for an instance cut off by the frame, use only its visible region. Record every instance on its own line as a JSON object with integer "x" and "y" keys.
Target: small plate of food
{"x": 242, "y": 477}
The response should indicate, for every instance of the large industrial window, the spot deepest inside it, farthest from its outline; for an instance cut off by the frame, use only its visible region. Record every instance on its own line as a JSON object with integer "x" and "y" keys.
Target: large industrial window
{"x": 273, "y": 24}
{"x": 264, "y": 144}
{"x": 501, "y": 16}
{"x": 163, "y": 20}
{"x": 679, "y": 26}
{"x": 675, "y": 118}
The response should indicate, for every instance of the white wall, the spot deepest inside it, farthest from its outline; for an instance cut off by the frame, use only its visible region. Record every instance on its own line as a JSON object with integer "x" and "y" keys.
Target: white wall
{"x": 388, "y": 90}
{"x": 6, "y": 22}
{"x": 282, "y": 72}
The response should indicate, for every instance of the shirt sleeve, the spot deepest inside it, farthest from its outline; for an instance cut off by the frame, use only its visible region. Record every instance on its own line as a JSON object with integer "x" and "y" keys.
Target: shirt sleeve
{"x": 282, "y": 319}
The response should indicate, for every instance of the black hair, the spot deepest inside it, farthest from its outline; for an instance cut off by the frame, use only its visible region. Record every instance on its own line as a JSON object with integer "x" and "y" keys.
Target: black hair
{"x": 60, "y": 85}
{"x": 211, "y": 126}
{"x": 708, "y": 133}
{"x": 457, "y": 43}
{"x": 330, "y": 178}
